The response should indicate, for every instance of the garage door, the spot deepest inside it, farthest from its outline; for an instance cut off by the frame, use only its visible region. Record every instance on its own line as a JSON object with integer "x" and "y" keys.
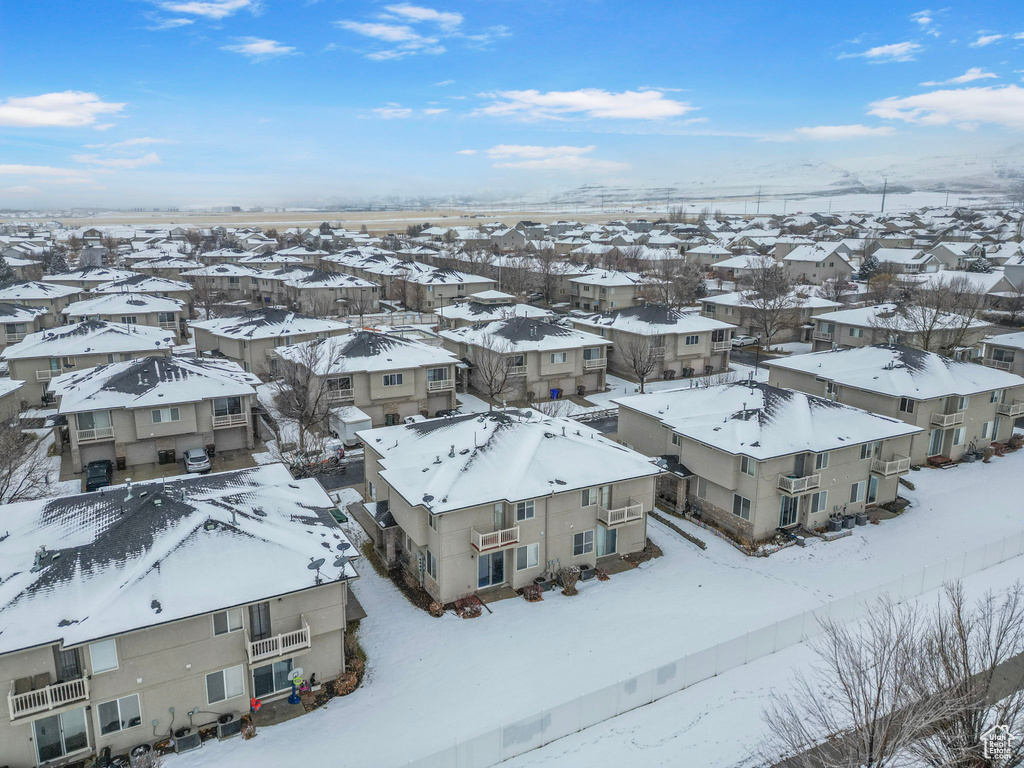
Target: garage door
{"x": 97, "y": 452}
{"x": 141, "y": 453}
{"x": 229, "y": 439}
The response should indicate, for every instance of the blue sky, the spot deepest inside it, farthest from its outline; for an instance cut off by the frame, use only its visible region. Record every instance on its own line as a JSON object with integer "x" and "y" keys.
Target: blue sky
{"x": 193, "y": 102}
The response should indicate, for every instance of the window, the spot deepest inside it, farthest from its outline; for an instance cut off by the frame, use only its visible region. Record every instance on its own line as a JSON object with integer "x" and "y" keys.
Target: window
{"x": 741, "y": 506}
{"x": 857, "y": 491}
{"x": 559, "y": 357}
{"x": 831, "y": 390}
{"x": 677, "y": 440}
{"x": 60, "y": 735}
{"x": 437, "y": 374}
{"x": 337, "y": 385}
{"x": 120, "y": 714}
{"x": 866, "y": 451}
{"x": 872, "y": 489}
{"x": 527, "y": 557}
{"x": 747, "y": 465}
{"x": 589, "y": 497}
{"x": 227, "y": 621}
{"x": 431, "y": 565}
{"x": 371, "y": 490}
{"x": 103, "y": 656}
{"x": 271, "y": 678}
{"x": 432, "y": 521}
{"x": 592, "y": 353}
{"x": 986, "y": 430}
{"x": 582, "y": 543}
{"x": 819, "y": 501}
{"x": 857, "y": 333}
{"x": 607, "y": 541}
{"x": 691, "y": 340}
{"x": 517, "y": 361}
{"x": 524, "y": 510}
{"x": 821, "y": 460}
{"x": 827, "y": 327}
{"x": 93, "y": 420}
{"x": 67, "y": 664}
{"x": 129, "y": 319}
{"x": 162, "y": 415}
{"x": 906, "y": 405}
{"x": 225, "y": 684}
{"x": 225, "y": 406}
{"x": 259, "y": 621}
{"x": 392, "y": 379}
{"x": 701, "y": 488}
{"x": 996, "y": 396}
{"x": 958, "y": 436}
{"x": 962, "y": 403}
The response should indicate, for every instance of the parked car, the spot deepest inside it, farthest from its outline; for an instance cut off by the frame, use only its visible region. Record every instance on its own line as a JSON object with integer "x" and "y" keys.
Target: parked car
{"x": 316, "y": 460}
{"x": 99, "y": 474}
{"x": 196, "y": 460}
{"x": 743, "y": 341}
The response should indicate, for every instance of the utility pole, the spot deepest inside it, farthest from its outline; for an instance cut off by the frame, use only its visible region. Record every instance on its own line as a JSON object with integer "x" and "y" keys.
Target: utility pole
{"x": 947, "y": 199}
{"x": 885, "y": 187}
{"x": 758, "y": 200}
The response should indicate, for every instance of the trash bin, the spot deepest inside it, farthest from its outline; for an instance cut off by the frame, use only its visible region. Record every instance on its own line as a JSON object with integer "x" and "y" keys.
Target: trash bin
{"x": 862, "y": 518}
{"x": 555, "y": 393}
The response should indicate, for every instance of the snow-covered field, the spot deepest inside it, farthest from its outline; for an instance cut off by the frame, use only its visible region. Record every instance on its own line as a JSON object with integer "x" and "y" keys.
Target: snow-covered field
{"x": 433, "y": 680}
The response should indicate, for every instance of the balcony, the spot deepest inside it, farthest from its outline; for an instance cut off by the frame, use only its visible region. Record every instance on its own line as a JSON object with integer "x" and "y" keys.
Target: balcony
{"x": 229, "y": 420}
{"x": 340, "y": 395}
{"x": 794, "y": 485}
{"x": 440, "y": 386}
{"x": 594, "y": 362}
{"x": 47, "y": 698}
{"x": 47, "y": 374}
{"x": 1002, "y": 365}
{"x": 14, "y": 338}
{"x": 899, "y": 465}
{"x": 487, "y": 542}
{"x": 947, "y": 419}
{"x": 169, "y": 326}
{"x": 517, "y": 370}
{"x": 284, "y": 644}
{"x": 721, "y": 346}
{"x": 99, "y": 433}
{"x": 821, "y": 336}
{"x": 632, "y": 510}
{"x": 1014, "y": 409}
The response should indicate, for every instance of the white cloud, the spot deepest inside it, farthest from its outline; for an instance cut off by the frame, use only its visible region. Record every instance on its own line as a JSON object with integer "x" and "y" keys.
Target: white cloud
{"x": 19, "y": 191}
{"x": 972, "y": 74}
{"x": 136, "y": 142}
{"x": 444, "y": 83}
{"x": 259, "y": 48}
{"x": 159, "y": 24}
{"x": 984, "y": 40}
{"x": 67, "y": 109}
{"x": 445, "y": 20}
{"x": 925, "y": 20}
{"x": 38, "y": 170}
{"x": 408, "y": 41}
{"x": 586, "y": 102}
{"x": 434, "y": 110}
{"x": 963, "y": 107}
{"x": 561, "y": 158}
{"x": 393, "y": 112}
{"x": 840, "y": 132}
{"x": 467, "y": 152}
{"x": 884, "y": 54}
{"x": 121, "y": 163}
{"x": 210, "y": 9}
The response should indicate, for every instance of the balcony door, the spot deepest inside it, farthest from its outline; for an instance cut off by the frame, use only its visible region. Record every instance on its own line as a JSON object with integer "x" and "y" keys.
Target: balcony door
{"x": 259, "y": 621}
{"x": 67, "y": 664}
{"x": 490, "y": 569}
{"x": 788, "y": 511}
{"x": 935, "y": 441}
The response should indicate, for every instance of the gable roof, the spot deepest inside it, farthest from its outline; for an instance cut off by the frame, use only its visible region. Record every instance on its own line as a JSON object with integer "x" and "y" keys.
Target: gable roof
{"x": 90, "y": 337}
{"x": 267, "y": 324}
{"x": 524, "y": 334}
{"x": 651, "y": 319}
{"x": 142, "y": 284}
{"x": 36, "y": 290}
{"x": 367, "y": 350}
{"x": 118, "y": 303}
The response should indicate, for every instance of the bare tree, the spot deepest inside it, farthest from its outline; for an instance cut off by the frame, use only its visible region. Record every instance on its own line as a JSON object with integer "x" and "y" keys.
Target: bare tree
{"x": 833, "y": 288}
{"x": 75, "y": 246}
{"x": 493, "y": 363}
{"x": 305, "y": 392}
{"x": 23, "y": 464}
{"x": 769, "y": 296}
{"x": 206, "y": 300}
{"x": 360, "y": 303}
{"x": 548, "y": 269}
{"x": 630, "y": 258}
{"x": 676, "y": 214}
{"x": 640, "y": 354}
{"x": 937, "y": 318}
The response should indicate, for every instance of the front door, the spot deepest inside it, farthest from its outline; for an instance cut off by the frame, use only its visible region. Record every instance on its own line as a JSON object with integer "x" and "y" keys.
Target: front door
{"x": 491, "y": 569}
{"x": 788, "y": 511}
{"x": 935, "y": 441}
{"x": 872, "y": 489}
{"x": 995, "y": 429}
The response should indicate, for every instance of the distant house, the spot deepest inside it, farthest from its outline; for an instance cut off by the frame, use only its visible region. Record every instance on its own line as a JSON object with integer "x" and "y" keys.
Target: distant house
{"x": 249, "y": 339}
{"x": 795, "y": 321}
{"x": 88, "y": 278}
{"x": 233, "y": 282}
{"x": 814, "y": 264}
{"x": 177, "y": 290}
{"x": 130, "y": 412}
{"x": 753, "y": 458}
{"x": 963, "y": 406}
{"x": 168, "y": 266}
{"x": 17, "y": 321}
{"x": 914, "y": 326}
{"x": 957, "y": 255}
{"x": 328, "y": 294}
{"x": 708, "y": 255}
{"x": 480, "y": 501}
{"x": 50, "y": 297}
{"x": 678, "y": 343}
{"x": 909, "y": 260}
{"x": 431, "y": 289}
{"x": 128, "y": 309}
{"x": 602, "y": 290}
{"x": 1004, "y": 352}
{"x": 486, "y": 306}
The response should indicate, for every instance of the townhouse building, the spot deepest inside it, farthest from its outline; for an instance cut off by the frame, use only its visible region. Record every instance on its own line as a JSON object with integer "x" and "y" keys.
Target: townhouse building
{"x": 249, "y": 339}
{"x": 1004, "y": 352}
{"x": 523, "y": 358}
{"x": 753, "y": 458}
{"x": 87, "y": 278}
{"x": 152, "y": 410}
{"x": 47, "y": 354}
{"x": 178, "y": 290}
{"x": 328, "y": 294}
{"x": 814, "y": 264}
{"x": 382, "y": 375}
{"x": 961, "y": 406}
{"x": 128, "y": 309}
{"x": 910, "y": 325}
{"x": 476, "y": 502}
{"x": 18, "y": 321}
{"x": 230, "y": 281}
{"x": 661, "y": 341}
{"x": 50, "y": 297}
{"x": 130, "y": 614}
{"x": 169, "y": 266}
{"x": 793, "y": 322}
{"x": 602, "y": 290}
{"x": 485, "y": 307}
{"x": 438, "y": 287}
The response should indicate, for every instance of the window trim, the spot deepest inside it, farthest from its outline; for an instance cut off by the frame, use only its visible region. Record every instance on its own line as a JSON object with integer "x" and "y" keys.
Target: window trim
{"x": 431, "y": 565}
{"x": 399, "y": 380}
{"x": 227, "y": 622}
{"x": 222, "y": 672}
{"x": 528, "y": 505}
{"x": 535, "y": 548}
{"x": 117, "y": 658}
{"x": 583, "y": 544}
{"x": 748, "y": 466}
{"x": 118, "y": 701}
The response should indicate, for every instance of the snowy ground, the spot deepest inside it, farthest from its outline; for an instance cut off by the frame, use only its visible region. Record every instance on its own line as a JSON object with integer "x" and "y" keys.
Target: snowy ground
{"x": 432, "y": 680}
{"x": 795, "y": 347}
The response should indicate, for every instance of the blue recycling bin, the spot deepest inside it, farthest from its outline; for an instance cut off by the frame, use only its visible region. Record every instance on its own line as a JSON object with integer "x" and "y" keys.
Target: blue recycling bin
{"x": 555, "y": 394}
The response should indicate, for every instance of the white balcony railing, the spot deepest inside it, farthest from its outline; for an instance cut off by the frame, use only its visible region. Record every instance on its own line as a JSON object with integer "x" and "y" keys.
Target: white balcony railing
{"x": 1016, "y": 408}
{"x": 169, "y": 326}
{"x": 45, "y": 699}
{"x": 485, "y": 542}
{"x": 897, "y": 466}
{"x": 658, "y": 350}
{"x": 1002, "y": 365}
{"x": 99, "y": 433}
{"x": 721, "y": 346}
{"x": 821, "y": 336}
{"x": 799, "y": 484}
{"x": 340, "y": 395}
{"x": 440, "y": 386}
{"x": 229, "y": 420}
{"x": 632, "y": 510}
{"x": 595, "y": 362}
{"x": 947, "y": 419}
{"x": 283, "y": 644}
{"x": 46, "y": 375}
{"x": 517, "y": 370}
{"x": 14, "y": 338}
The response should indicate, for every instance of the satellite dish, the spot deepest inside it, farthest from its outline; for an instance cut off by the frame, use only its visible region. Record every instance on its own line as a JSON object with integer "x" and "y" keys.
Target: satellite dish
{"x": 295, "y": 674}
{"x": 344, "y": 546}
{"x": 340, "y": 561}
{"x": 314, "y": 565}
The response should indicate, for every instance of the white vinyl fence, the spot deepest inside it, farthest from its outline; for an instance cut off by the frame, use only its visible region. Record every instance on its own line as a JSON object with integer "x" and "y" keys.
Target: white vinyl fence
{"x": 512, "y": 739}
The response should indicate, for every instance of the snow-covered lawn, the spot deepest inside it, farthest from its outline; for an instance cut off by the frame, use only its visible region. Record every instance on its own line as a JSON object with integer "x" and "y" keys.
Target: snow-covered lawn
{"x": 794, "y": 347}
{"x": 433, "y": 680}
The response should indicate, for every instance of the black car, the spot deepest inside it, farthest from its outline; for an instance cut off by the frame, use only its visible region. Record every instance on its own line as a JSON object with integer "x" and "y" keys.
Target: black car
{"x": 99, "y": 474}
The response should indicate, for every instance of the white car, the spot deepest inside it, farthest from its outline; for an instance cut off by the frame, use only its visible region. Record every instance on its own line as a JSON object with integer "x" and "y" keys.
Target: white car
{"x": 196, "y": 460}
{"x": 743, "y": 341}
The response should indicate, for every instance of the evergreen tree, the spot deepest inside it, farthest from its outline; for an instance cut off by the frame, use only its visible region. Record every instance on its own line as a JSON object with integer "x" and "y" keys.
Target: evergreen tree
{"x": 980, "y": 264}
{"x": 7, "y": 275}
{"x": 868, "y": 267}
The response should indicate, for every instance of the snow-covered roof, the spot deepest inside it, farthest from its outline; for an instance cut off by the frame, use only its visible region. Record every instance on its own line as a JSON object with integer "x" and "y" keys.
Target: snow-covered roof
{"x": 151, "y": 382}
{"x": 492, "y": 295}
{"x": 91, "y": 275}
{"x": 892, "y": 317}
{"x": 366, "y": 351}
{"x": 463, "y": 461}
{"x": 129, "y": 557}
{"x": 444, "y": 276}
{"x": 898, "y": 371}
{"x": 269, "y": 258}
{"x": 761, "y": 421}
{"x": 121, "y": 303}
{"x": 608, "y": 278}
{"x": 301, "y": 251}
{"x": 815, "y": 253}
{"x": 143, "y": 284}
{"x": 651, "y": 320}
{"x": 9, "y": 386}
{"x": 1012, "y": 340}
{"x": 745, "y": 261}
{"x": 318, "y": 278}
{"x": 802, "y": 299}
{"x": 225, "y": 270}
{"x": 168, "y": 261}
{"x": 902, "y": 256}
{"x": 267, "y": 324}
{"x": 17, "y": 313}
{"x": 476, "y": 312}
{"x": 523, "y": 334}
{"x": 90, "y": 337}
{"x": 35, "y": 289}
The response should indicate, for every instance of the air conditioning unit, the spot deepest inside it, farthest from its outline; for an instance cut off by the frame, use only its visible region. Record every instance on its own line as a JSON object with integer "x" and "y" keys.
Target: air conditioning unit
{"x": 188, "y": 743}
{"x": 227, "y": 730}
